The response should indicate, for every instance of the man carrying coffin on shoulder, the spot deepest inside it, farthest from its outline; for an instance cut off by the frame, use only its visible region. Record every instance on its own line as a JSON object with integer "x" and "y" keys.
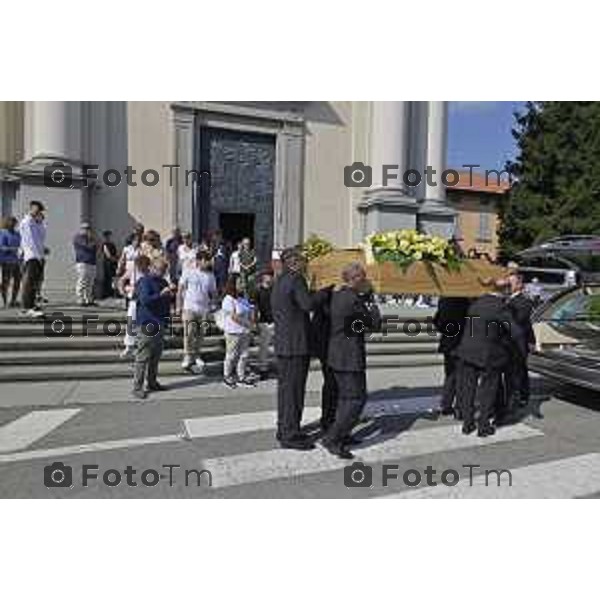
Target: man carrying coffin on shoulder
{"x": 353, "y": 313}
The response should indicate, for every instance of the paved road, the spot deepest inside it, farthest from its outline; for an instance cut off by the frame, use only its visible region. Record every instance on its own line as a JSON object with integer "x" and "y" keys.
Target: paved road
{"x": 225, "y": 439}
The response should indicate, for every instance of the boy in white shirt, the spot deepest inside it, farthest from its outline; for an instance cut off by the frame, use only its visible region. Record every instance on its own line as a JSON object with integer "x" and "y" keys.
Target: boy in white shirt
{"x": 197, "y": 288}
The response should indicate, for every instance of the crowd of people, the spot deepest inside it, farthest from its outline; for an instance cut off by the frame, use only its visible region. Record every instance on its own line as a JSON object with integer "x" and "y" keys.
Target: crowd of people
{"x": 485, "y": 341}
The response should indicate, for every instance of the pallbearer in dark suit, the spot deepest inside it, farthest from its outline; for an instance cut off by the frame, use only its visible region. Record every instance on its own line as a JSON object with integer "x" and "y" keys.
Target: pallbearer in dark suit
{"x": 517, "y": 374}
{"x": 352, "y": 311}
{"x": 485, "y": 350}
{"x": 291, "y": 303}
{"x": 449, "y": 320}
{"x": 320, "y": 325}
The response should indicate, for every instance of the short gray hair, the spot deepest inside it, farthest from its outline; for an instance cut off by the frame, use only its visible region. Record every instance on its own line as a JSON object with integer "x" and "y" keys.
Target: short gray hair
{"x": 352, "y": 270}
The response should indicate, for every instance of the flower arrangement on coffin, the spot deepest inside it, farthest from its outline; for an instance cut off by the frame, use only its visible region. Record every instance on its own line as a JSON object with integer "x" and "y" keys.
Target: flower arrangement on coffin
{"x": 316, "y": 246}
{"x": 407, "y": 246}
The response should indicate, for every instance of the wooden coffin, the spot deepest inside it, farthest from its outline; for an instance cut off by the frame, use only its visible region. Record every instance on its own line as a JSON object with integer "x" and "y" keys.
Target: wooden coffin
{"x": 419, "y": 278}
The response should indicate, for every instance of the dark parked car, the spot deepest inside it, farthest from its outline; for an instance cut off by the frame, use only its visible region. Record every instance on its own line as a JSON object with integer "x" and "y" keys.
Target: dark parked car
{"x": 567, "y": 329}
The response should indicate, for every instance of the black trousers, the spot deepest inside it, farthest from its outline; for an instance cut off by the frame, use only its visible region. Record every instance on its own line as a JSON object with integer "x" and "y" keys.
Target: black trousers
{"x": 517, "y": 380}
{"x": 451, "y": 375}
{"x": 479, "y": 388}
{"x": 352, "y": 390}
{"x": 291, "y": 386}
{"x": 32, "y": 282}
{"x": 329, "y": 396}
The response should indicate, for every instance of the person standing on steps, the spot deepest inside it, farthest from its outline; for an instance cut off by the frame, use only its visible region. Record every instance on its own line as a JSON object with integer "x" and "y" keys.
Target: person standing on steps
{"x": 110, "y": 260}
{"x": 33, "y": 245}
{"x": 86, "y": 249}
{"x": 10, "y": 261}
{"x": 197, "y": 289}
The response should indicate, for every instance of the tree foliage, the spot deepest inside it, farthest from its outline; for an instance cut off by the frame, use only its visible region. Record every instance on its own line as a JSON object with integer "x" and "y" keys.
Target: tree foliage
{"x": 556, "y": 174}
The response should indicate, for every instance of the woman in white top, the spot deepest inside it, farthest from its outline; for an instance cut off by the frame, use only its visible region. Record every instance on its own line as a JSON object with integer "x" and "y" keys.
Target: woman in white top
{"x": 238, "y": 319}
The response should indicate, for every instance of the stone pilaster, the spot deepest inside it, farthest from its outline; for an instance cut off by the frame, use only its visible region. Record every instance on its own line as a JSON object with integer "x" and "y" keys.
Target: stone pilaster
{"x": 387, "y": 204}
{"x": 435, "y": 215}
{"x": 289, "y": 176}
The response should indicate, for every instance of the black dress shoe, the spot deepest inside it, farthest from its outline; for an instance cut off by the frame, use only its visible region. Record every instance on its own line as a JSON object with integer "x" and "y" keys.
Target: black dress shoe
{"x": 446, "y": 411}
{"x": 157, "y": 387}
{"x": 297, "y": 443}
{"x": 486, "y": 430}
{"x": 339, "y": 450}
{"x": 468, "y": 428}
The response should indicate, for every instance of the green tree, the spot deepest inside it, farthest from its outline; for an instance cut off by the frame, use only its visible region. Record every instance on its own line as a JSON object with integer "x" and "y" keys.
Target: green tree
{"x": 556, "y": 175}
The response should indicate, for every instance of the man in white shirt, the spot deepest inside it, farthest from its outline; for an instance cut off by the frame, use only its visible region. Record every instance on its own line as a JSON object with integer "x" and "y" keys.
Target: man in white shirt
{"x": 33, "y": 245}
{"x": 235, "y": 266}
{"x": 197, "y": 288}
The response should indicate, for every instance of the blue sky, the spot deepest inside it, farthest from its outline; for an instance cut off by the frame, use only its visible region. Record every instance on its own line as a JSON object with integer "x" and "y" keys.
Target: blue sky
{"x": 479, "y": 133}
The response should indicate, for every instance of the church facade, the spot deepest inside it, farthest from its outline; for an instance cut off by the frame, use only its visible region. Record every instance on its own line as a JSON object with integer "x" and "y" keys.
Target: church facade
{"x": 274, "y": 171}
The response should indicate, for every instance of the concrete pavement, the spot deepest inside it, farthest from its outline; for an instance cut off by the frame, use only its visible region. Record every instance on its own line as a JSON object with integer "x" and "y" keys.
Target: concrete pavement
{"x": 226, "y": 438}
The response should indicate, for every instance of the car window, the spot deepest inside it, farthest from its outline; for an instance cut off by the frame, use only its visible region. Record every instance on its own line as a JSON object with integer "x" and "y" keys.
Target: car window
{"x": 587, "y": 261}
{"x": 543, "y": 277}
{"x": 579, "y": 310}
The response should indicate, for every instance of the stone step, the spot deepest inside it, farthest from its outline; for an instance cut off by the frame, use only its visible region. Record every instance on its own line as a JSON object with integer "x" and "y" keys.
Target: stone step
{"x": 14, "y": 317}
{"x": 64, "y": 372}
{"x": 96, "y": 329}
{"x": 40, "y": 343}
{"x": 213, "y": 349}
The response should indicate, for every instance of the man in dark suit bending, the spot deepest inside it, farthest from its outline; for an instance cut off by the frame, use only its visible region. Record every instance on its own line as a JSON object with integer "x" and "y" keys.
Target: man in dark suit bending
{"x": 485, "y": 350}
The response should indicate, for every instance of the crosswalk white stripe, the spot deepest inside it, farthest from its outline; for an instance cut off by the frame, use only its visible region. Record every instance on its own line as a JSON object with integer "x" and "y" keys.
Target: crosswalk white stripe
{"x": 274, "y": 464}
{"x": 31, "y": 427}
{"x": 237, "y": 423}
{"x": 245, "y": 422}
{"x": 91, "y": 447}
{"x": 564, "y": 478}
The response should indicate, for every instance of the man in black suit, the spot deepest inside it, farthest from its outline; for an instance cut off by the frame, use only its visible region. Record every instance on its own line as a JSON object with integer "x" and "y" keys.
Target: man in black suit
{"x": 517, "y": 374}
{"x": 291, "y": 304}
{"x": 485, "y": 350}
{"x": 449, "y": 320}
{"x": 320, "y": 326}
{"x": 352, "y": 313}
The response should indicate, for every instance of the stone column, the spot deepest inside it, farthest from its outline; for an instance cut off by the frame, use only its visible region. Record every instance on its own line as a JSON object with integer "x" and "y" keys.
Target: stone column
{"x": 53, "y": 131}
{"x": 53, "y": 134}
{"x": 437, "y": 148}
{"x": 435, "y": 215}
{"x": 387, "y": 204}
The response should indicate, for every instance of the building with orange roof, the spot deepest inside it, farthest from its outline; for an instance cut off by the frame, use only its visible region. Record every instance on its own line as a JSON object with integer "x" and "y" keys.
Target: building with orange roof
{"x": 476, "y": 199}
